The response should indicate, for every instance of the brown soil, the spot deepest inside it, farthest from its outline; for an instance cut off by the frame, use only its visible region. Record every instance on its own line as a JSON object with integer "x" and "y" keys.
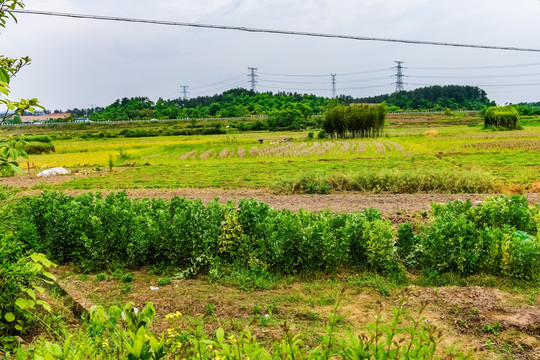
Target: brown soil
{"x": 400, "y": 204}
{"x": 469, "y": 317}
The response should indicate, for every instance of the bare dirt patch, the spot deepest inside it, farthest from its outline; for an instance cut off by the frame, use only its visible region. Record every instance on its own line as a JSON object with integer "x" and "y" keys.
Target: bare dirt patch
{"x": 469, "y": 317}
{"x": 398, "y": 204}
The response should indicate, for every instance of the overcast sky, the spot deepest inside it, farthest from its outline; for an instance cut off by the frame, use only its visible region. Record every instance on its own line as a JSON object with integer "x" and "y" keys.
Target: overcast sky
{"x": 77, "y": 62}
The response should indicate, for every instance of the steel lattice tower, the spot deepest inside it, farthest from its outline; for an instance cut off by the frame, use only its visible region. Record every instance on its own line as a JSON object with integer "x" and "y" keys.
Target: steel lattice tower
{"x": 184, "y": 91}
{"x": 333, "y": 85}
{"x": 399, "y": 75}
{"x": 253, "y": 78}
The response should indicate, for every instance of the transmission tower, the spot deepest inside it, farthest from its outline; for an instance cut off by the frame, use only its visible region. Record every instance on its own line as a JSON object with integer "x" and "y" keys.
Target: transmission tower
{"x": 333, "y": 85}
{"x": 399, "y": 75}
{"x": 184, "y": 91}
{"x": 253, "y": 77}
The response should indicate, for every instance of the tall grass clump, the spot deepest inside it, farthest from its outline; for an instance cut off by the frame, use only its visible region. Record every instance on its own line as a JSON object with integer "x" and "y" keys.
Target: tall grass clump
{"x": 395, "y": 181}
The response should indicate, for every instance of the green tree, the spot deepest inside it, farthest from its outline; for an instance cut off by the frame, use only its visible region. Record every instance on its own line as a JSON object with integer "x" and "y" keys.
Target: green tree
{"x": 9, "y": 67}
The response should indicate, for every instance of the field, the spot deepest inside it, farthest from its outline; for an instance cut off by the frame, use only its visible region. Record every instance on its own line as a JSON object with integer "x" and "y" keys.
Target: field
{"x": 415, "y": 155}
{"x": 451, "y": 281}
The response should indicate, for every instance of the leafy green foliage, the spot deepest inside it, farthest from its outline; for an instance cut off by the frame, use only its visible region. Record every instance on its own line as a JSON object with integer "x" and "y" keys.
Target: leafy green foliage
{"x": 95, "y": 233}
{"x": 358, "y": 120}
{"x": 499, "y": 237}
{"x": 21, "y": 277}
{"x": 503, "y": 117}
{"x": 10, "y": 151}
{"x": 123, "y": 333}
{"x": 431, "y": 97}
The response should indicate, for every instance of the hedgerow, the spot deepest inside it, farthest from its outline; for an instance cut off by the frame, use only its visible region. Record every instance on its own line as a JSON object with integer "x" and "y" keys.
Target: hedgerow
{"x": 498, "y": 236}
{"x": 96, "y": 232}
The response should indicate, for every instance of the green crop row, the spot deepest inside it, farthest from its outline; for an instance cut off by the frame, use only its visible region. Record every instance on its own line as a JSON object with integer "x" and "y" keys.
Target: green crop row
{"x": 498, "y": 236}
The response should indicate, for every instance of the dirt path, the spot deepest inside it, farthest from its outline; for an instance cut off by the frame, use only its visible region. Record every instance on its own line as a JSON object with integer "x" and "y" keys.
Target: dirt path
{"x": 340, "y": 202}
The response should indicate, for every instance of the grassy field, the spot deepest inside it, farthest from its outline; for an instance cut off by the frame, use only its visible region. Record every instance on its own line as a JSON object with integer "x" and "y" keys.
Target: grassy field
{"x": 488, "y": 315}
{"x": 413, "y": 145}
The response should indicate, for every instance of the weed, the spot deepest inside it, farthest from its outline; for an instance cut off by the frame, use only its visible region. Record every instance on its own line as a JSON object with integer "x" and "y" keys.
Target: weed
{"x": 264, "y": 320}
{"x": 164, "y": 281}
{"x": 272, "y": 309}
{"x": 126, "y": 288}
{"x": 210, "y": 309}
{"x": 492, "y": 328}
{"x": 256, "y": 310}
{"x": 127, "y": 277}
{"x": 101, "y": 277}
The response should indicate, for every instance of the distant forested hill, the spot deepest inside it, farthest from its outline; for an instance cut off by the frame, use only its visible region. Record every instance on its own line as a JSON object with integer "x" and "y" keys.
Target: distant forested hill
{"x": 432, "y": 98}
{"x": 242, "y": 102}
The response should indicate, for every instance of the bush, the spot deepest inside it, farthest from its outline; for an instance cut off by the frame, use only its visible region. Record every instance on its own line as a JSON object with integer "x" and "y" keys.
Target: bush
{"x": 97, "y": 233}
{"x": 35, "y": 148}
{"x": 22, "y": 274}
{"x": 39, "y": 138}
{"x": 498, "y": 237}
{"x": 503, "y": 117}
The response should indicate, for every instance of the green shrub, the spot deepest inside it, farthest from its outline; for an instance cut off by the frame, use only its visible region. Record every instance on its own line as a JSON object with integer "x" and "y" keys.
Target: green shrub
{"x": 38, "y": 138}
{"x": 504, "y": 117}
{"x": 35, "y": 148}
{"x": 21, "y": 276}
{"x": 127, "y": 277}
{"x": 97, "y": 233}
{"x": 498, "y": 237}
{"x": 164, "y": 281}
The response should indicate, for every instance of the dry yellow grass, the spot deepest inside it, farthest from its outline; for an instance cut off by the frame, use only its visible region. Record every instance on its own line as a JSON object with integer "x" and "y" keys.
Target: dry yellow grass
{"x": 431, "y": 133}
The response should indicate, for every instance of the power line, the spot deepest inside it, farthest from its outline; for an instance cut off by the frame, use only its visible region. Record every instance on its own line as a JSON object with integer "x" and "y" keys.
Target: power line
{"x": 229, "y": 80}
{"x": 271, "y": 31}
{"x": 483, "y": 85}
{"x": 472, "y": 76}
{"x": 295, "y": 82}
{"x": 475, "y": 67}
{"x": 293, "y": 75}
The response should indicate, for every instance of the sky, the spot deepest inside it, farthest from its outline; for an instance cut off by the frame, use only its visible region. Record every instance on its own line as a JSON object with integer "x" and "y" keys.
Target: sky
{"x": 85, "y": 63}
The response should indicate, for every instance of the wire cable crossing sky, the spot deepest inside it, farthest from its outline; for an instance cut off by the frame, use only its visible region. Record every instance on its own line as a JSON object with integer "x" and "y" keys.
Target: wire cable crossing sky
{"x": 81, "y": 57}
{"x": 272, "y": 31}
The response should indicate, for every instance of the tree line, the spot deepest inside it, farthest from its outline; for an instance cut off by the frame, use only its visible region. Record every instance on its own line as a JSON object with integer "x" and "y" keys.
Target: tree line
{"x": 241, "y": 102}
{"x": 437, "y": 97}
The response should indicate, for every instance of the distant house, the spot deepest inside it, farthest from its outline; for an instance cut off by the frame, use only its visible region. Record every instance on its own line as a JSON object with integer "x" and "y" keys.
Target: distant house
{"x": 44, "y": 117}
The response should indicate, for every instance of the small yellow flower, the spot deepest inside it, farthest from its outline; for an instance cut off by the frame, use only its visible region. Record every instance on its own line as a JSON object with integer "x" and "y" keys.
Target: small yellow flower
{"x": 178, "y": 314}
{"x": 209, "y": 347}
{"x": 179, "y": 345}
{"x": 105, "y": 345}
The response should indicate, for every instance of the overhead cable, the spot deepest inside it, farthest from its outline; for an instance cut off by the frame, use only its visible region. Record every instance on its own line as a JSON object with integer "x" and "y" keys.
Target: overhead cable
{"x": 475, "y": 67}
{"x": 271, "y": 31}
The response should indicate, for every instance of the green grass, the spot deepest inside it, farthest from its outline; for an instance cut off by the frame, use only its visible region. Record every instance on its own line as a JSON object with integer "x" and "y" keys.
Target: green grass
{"x": 505, "y": 158}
